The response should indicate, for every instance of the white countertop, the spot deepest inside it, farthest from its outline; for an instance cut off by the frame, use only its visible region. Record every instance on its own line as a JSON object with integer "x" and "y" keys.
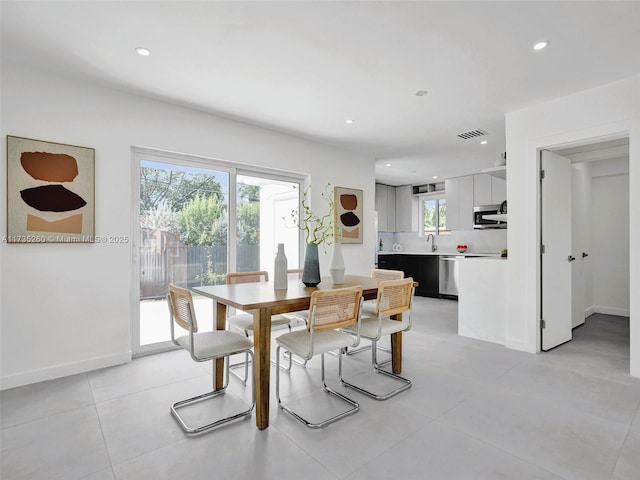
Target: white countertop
{"x": 443, "y": 253}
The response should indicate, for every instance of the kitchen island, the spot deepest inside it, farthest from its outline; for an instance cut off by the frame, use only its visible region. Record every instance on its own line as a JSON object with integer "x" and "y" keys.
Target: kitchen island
{"x": 482, "y": 302}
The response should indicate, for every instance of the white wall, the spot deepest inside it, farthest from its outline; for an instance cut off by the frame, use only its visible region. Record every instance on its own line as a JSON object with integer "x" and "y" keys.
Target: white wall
{"x": 600, "y": 227}
{"x": 67, "y": 308}
{"x": 478, "y": 241}
{"x": 613, "y": 109}
{"x": 581, "y": 241}
{"x": 610, "y": 240}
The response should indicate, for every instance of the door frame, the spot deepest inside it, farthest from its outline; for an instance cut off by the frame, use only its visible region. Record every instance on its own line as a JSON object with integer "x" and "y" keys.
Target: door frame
{"x": 574, "y": 139}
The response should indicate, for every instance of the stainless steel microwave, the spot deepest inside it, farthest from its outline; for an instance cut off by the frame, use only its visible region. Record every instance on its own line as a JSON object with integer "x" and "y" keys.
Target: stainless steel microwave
{"x": 488, "y": 216}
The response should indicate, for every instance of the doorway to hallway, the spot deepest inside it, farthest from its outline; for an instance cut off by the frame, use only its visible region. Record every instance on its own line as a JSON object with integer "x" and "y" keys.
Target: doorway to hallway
{"x": 599, "y": 252}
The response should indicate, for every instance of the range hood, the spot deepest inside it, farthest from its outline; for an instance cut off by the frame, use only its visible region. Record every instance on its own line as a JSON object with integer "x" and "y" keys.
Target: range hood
{"x": 499, "y": 172}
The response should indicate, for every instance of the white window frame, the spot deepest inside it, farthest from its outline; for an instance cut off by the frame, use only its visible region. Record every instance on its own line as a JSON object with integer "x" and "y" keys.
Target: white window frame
{"x": 421, "y": 199}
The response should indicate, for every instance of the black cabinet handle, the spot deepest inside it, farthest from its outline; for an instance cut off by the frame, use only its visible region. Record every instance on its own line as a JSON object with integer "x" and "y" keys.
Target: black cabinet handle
{"x": 585, "y": 254}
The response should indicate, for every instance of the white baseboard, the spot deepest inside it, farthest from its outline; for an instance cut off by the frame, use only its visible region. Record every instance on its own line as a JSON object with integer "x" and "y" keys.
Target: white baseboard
{"x": 619, "y": 312}
{"x": 589, "y": 311}
{"x": 58, "y": 371}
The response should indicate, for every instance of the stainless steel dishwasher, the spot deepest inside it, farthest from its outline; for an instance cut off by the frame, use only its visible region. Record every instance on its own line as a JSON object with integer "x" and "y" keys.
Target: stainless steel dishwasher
{"x": 448, "y": 276}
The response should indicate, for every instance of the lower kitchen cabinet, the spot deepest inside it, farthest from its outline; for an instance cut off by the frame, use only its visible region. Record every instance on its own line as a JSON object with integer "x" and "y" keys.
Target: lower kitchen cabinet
{"x": 388, "y": 262}
{"x": 422, "y": 268}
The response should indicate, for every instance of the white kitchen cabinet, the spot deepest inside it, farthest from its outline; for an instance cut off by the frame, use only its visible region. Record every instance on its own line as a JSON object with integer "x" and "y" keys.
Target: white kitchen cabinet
{"x": 482, "y": 189}
{"x": 498, "y": 190}
{"x": 459, "y": 195}
{"x": 452, "y": 194}
{"x": 488, "y": 190}
{"x": 406, "y": 210}
{"x": 385, "y": 205}
{"x": 381, "y": 206}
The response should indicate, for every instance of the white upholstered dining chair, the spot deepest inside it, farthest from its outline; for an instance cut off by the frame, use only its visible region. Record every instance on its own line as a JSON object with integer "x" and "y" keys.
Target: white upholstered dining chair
{"x": 394, "y": 297}
{"x": 329, "y": 310}
{"x": 204, "y": 346}
{"x": 243, "y": 321}
{"x": 369, "y": 307}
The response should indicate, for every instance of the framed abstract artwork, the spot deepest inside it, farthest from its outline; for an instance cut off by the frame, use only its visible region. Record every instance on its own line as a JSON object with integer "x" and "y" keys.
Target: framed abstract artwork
{"x": 348, "y": 221}
{"x": 50, "y": 192}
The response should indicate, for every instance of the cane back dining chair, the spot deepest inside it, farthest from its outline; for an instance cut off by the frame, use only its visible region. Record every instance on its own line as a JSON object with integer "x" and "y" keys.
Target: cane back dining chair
{"x": 244, "y": 321}
{"x": 300, "y": 317}
{"x": 394, "y": 297}
{"x": 369, "y": 306}
{"x": 204, "y": 346}
{"x": 329, "y": 310}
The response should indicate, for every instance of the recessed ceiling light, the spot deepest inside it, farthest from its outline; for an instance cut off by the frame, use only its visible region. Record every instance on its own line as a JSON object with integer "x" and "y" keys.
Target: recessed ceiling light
{"x": 421, "y": 93}
{"x": 387, "y": 165}
{"x": 143, "y": 52}
{"x": 348, "y": 121}
{"x": 483, "y": 142}
{"x": 541, "y": 45}
{"x": 435, "y": 176}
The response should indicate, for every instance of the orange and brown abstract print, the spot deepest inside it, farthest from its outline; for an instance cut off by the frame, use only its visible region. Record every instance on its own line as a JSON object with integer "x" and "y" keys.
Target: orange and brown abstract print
{"x": 348, "y": 215}
{"x": 50, "y": 192}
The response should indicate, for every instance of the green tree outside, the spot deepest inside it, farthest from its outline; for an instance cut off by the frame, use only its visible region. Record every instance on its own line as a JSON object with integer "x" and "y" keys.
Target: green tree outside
{"x": 159, "y": 186}
{"x": 248, "y": 227}
{"x": 203, "y": 221}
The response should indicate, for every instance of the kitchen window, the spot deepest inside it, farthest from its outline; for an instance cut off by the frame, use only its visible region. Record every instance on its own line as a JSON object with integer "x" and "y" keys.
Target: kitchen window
{"x": 433, "y": 214}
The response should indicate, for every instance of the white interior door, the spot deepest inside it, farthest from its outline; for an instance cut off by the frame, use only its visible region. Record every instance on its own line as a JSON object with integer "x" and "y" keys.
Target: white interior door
{"x": 556, "y": 261}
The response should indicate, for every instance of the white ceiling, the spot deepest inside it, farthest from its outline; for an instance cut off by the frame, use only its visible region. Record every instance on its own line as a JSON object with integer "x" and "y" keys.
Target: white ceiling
{"x": 306, "y": 67}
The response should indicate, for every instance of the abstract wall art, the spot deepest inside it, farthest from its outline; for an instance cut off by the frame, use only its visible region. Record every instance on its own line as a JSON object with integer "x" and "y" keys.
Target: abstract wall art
{"x": 348, "y": 225}
{"x": 50, "y": 192}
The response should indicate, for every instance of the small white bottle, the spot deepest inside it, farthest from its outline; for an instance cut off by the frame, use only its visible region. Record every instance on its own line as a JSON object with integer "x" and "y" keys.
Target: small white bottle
{"x": 280, "y": 279}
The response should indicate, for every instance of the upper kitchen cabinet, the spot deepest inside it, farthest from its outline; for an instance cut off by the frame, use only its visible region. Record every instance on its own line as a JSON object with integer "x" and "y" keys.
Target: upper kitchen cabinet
{"x": 385, "y": 205}
{"x": 397, "y": 208}
{"x": 498, "y": 190}
{"x": 488, "y": 189}
{"x": 459, "y": 194}
{"x": 406, "y": 210}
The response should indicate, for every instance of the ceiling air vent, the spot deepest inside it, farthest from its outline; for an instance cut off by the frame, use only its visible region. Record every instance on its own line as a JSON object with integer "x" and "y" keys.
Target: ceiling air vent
{"x": 472, "y": 134}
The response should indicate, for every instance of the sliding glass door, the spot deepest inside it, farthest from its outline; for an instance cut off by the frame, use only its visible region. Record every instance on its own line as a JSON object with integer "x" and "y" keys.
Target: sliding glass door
{"x": 183, "y": 238}
{"x": 192, "y": 231}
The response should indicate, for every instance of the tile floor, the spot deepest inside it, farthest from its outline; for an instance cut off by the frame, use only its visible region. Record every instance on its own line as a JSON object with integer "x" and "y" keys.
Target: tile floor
{"x": 476, "y": 410}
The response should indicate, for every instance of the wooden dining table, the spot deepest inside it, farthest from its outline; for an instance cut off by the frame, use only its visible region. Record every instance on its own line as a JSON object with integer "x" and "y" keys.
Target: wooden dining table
{"x": 262, "y": 301}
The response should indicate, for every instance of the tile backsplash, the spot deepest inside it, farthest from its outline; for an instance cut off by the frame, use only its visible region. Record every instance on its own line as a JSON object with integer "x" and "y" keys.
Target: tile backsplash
{"x": 477, "y": 241}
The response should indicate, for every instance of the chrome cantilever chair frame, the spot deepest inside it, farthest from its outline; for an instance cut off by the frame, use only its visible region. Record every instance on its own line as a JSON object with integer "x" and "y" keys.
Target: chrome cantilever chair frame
{"x": 374, "y": 327}
{"x": 185, "y": 317}
{"x": 334, "y": 339}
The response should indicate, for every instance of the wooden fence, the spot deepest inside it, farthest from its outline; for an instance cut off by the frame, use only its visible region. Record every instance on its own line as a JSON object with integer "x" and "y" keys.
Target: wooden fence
{"x": 189, "y": 266}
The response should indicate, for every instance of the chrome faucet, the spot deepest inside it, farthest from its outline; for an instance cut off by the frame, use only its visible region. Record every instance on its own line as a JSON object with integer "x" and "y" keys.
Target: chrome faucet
{"x": 433, "y": 242}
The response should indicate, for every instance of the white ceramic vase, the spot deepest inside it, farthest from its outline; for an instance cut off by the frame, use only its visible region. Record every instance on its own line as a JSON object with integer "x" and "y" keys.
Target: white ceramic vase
{"x": 280, "y": 279}
{"x": 336, "y": 268}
